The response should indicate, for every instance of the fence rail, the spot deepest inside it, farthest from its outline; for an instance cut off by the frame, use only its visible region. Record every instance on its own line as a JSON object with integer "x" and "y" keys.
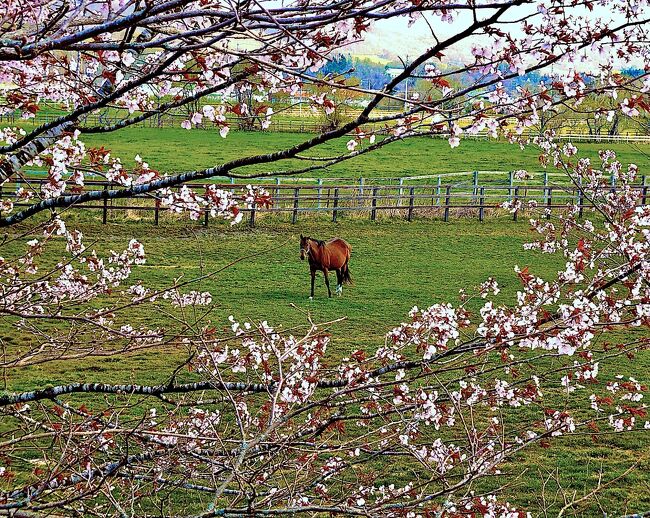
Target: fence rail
{"x": 467, "y": 179}
{"x": 278, "y": 124}
{"x": 406, "y": 201}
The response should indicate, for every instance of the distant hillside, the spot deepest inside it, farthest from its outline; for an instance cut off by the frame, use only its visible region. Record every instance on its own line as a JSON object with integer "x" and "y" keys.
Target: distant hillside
{"x": 371, "y": 58}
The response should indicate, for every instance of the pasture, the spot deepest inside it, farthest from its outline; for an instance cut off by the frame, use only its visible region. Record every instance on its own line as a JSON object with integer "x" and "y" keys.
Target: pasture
{"x": 175, "y": 150}
{"x": 395, "y": 265}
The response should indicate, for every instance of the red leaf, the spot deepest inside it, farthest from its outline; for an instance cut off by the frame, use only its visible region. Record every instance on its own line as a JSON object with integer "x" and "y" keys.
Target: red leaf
{"x": 525, "y": 276}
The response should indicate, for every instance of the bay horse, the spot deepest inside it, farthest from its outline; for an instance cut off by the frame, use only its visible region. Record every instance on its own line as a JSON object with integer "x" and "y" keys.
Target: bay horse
{"x": 333, "y": 255}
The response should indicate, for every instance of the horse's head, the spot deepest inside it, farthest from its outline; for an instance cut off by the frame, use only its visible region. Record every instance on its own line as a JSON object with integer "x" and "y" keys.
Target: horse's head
{"x": 304, "y": 247}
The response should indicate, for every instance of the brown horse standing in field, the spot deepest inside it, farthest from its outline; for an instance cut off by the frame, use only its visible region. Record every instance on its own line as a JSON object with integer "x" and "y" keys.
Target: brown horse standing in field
{"x": 333, "y": 255}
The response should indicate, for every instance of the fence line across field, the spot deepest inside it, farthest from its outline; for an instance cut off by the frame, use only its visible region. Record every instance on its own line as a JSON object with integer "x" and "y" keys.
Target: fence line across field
{"x": 437, "y": 200}
{"x": 306, "y": 125}
{"x": 457, "y": 179}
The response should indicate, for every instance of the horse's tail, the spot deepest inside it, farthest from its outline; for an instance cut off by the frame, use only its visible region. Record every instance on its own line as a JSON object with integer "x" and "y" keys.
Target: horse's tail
{"x": 345, "y": 271}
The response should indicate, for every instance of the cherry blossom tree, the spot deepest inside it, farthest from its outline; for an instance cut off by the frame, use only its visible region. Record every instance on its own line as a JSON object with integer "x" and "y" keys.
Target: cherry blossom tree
{"x": 261, "y": 422}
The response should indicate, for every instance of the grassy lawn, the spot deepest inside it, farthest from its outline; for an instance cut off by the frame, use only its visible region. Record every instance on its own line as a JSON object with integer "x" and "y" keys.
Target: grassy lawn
{"x": 175, "y": 149}
{"x": 395, "y": 265}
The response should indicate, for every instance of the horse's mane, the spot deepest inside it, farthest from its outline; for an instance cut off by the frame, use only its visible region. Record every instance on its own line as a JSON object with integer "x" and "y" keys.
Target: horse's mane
{"x": 319, "y": 242}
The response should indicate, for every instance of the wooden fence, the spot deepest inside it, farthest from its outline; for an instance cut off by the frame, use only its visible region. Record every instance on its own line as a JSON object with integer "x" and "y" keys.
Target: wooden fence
{"x": 371, "y": 201}
{"x": 278, "y": 124}
{"x": 304, "y": 125}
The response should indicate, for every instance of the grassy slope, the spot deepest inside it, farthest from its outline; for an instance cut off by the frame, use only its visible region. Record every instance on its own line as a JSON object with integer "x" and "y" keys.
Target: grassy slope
{"x": 395, "y": 265}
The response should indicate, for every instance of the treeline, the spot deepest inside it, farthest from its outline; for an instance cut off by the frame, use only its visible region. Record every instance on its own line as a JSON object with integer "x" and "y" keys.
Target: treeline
{"x": 370, "y": 74}
{"x": 374, "y": 75}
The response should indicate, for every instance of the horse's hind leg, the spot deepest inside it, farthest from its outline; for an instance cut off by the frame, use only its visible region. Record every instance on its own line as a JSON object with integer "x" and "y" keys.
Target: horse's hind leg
{"x": 339, "y": 281}
{"x": 327, "y": 283}
{"x": 313, "y": 278}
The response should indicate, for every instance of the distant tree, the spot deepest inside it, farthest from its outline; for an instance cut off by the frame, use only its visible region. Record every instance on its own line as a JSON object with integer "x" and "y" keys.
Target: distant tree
{"x": 554, "y": 120}
{"x": 339, "y": 102}
{"x": 371, "y": 75}
{"x": 601, "y": 115}
{"x": 339, "y": 65}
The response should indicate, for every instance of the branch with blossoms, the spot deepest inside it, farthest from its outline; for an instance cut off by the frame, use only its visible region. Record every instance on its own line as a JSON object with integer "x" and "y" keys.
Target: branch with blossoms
{"x": 80, "y": 307}
{"x": 260, "y": 422}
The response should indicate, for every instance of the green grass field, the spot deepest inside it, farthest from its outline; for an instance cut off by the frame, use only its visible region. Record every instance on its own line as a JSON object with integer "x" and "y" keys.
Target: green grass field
{"x": 175, "y": 150}
{"x": 395, "y": 265}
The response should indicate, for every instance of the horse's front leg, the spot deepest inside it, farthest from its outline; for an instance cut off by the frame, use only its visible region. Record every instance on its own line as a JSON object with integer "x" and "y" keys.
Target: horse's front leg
{"x": 313, "y": 278}
{"x": 327, "y": 283}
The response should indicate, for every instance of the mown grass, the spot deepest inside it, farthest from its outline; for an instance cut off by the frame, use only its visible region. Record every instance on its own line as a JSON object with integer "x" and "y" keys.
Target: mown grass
{"x": 174, "y": 150}
{"x": 395, "y": 265}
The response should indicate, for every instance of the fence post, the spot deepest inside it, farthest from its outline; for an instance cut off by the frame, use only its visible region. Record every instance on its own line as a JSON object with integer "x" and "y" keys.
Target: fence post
{"x": 510, "y": 185}
{"x": 294, "y": 216}
{"x": 399, "y": 195}
{"x": 411, "y": 203}
{"x": 515, "y": 214}
{"x": 336, "y": 204}
{"x": 613, "y": 182}
{"x": 105, "y": 210}
{"x": 447, "y": 196}
{"x": 549, "y": 201}
{"x": 373, "y": 212}
{"x": 320, "y": 191}
{"x": 475, "y": 184}
{"x": 481, "y": 203}
{"x": 644, "y": 191}
{"x": 156, "y": 212}
{"x": 251, "y": 222}
{"x": 580, "y": 199}
{"x": 545, "y": 185}
{"x": 438, "y": 191}
{"x": 361, "y": 185}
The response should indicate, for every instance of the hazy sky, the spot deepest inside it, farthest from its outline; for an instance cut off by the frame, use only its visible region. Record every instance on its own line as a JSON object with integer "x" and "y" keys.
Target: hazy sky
{"x": 392, "y": 38}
